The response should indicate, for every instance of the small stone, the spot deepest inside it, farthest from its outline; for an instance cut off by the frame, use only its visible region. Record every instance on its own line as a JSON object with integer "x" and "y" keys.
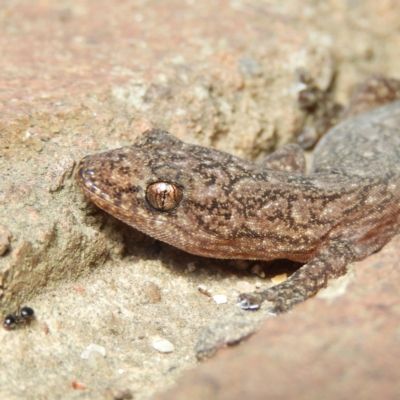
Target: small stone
{"x": 191, "y": 267}
{"x": 220, "y": 298}
{"x": 151, "y": 292}
{"x": 5, "y": 236}
{"x": 243, "y": 287}
{"x": 78, "y": 386}
{"x": 121, "y": 394}
{"x": 257, "y": 270}
{"x": 45, "y": 328}
{"x": 58, "y": 172}
{"x": 162, "y": 345}
{"x": 279, "y": 279}
{"x": 93, "y": 348}
{"x": 203, "y": 289}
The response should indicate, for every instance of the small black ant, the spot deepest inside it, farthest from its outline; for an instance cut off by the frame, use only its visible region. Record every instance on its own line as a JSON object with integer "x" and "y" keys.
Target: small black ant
{"x": 23, "y": 316}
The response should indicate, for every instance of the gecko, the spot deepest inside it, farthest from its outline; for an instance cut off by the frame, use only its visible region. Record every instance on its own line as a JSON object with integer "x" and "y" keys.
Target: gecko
{"x": 213, "y": 204}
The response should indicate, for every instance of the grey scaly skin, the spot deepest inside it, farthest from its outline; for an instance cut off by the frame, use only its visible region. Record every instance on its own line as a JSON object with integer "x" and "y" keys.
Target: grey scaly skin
{"x": 213, "y": 204}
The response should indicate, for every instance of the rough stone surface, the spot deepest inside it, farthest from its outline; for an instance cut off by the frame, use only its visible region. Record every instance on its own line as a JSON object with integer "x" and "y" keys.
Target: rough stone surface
{"x": 82, "y": 77}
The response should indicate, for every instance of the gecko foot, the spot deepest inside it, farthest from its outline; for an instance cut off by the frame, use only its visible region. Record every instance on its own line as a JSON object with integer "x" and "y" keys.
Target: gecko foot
{"x": 305, "y": 282}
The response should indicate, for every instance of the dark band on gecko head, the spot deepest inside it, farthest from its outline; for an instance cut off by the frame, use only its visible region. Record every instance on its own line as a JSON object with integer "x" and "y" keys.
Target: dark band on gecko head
{"x": 164, "y": 196}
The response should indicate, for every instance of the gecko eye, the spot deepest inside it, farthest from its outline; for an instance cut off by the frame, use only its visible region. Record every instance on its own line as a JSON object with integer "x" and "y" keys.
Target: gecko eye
{"x": 164, "y": 196}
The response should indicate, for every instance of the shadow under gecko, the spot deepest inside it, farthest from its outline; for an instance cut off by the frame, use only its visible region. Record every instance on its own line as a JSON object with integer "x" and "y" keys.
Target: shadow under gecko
{"x": 213, "y": 204}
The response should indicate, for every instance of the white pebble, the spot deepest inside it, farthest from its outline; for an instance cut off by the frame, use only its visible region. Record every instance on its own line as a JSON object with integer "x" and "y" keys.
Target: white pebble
{"x": 220, "y": 298}
{"x": 93, "y": 348}
{"x": 162, "y": 345}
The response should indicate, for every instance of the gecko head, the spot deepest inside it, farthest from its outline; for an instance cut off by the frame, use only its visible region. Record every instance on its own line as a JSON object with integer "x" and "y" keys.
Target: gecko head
{"x": 176, "y": 192}
{"x": 136, "y": 182}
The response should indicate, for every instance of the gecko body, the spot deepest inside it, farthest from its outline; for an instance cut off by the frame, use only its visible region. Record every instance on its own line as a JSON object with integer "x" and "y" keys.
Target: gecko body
{"x": 213, "y": 204}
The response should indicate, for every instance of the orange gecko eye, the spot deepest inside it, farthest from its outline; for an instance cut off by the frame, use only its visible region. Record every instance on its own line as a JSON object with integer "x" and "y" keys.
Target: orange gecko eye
{"x": 164, "y": 196}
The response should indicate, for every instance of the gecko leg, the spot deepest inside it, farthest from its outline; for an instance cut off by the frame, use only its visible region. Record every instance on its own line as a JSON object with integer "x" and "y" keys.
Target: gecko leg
{"x": 330, "y": 263}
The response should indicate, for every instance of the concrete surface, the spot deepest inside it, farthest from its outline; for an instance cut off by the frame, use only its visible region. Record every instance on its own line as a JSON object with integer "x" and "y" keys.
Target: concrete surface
{"x": 82, "y": 77}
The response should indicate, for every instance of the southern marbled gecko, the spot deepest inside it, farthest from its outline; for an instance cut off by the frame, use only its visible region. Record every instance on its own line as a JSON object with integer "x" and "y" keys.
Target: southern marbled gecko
{"x": 213, "y": 204}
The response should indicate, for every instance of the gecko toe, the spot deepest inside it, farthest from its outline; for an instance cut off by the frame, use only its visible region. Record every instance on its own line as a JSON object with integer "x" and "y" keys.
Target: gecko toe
{"x": 246, "y": 305}
{"x": 247, "y": 301}
{"x": 280, "y": 302}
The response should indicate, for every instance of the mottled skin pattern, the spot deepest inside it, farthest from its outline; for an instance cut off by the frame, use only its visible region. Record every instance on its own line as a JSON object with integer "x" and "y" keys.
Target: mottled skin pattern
{"x": 346, "y": 209}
